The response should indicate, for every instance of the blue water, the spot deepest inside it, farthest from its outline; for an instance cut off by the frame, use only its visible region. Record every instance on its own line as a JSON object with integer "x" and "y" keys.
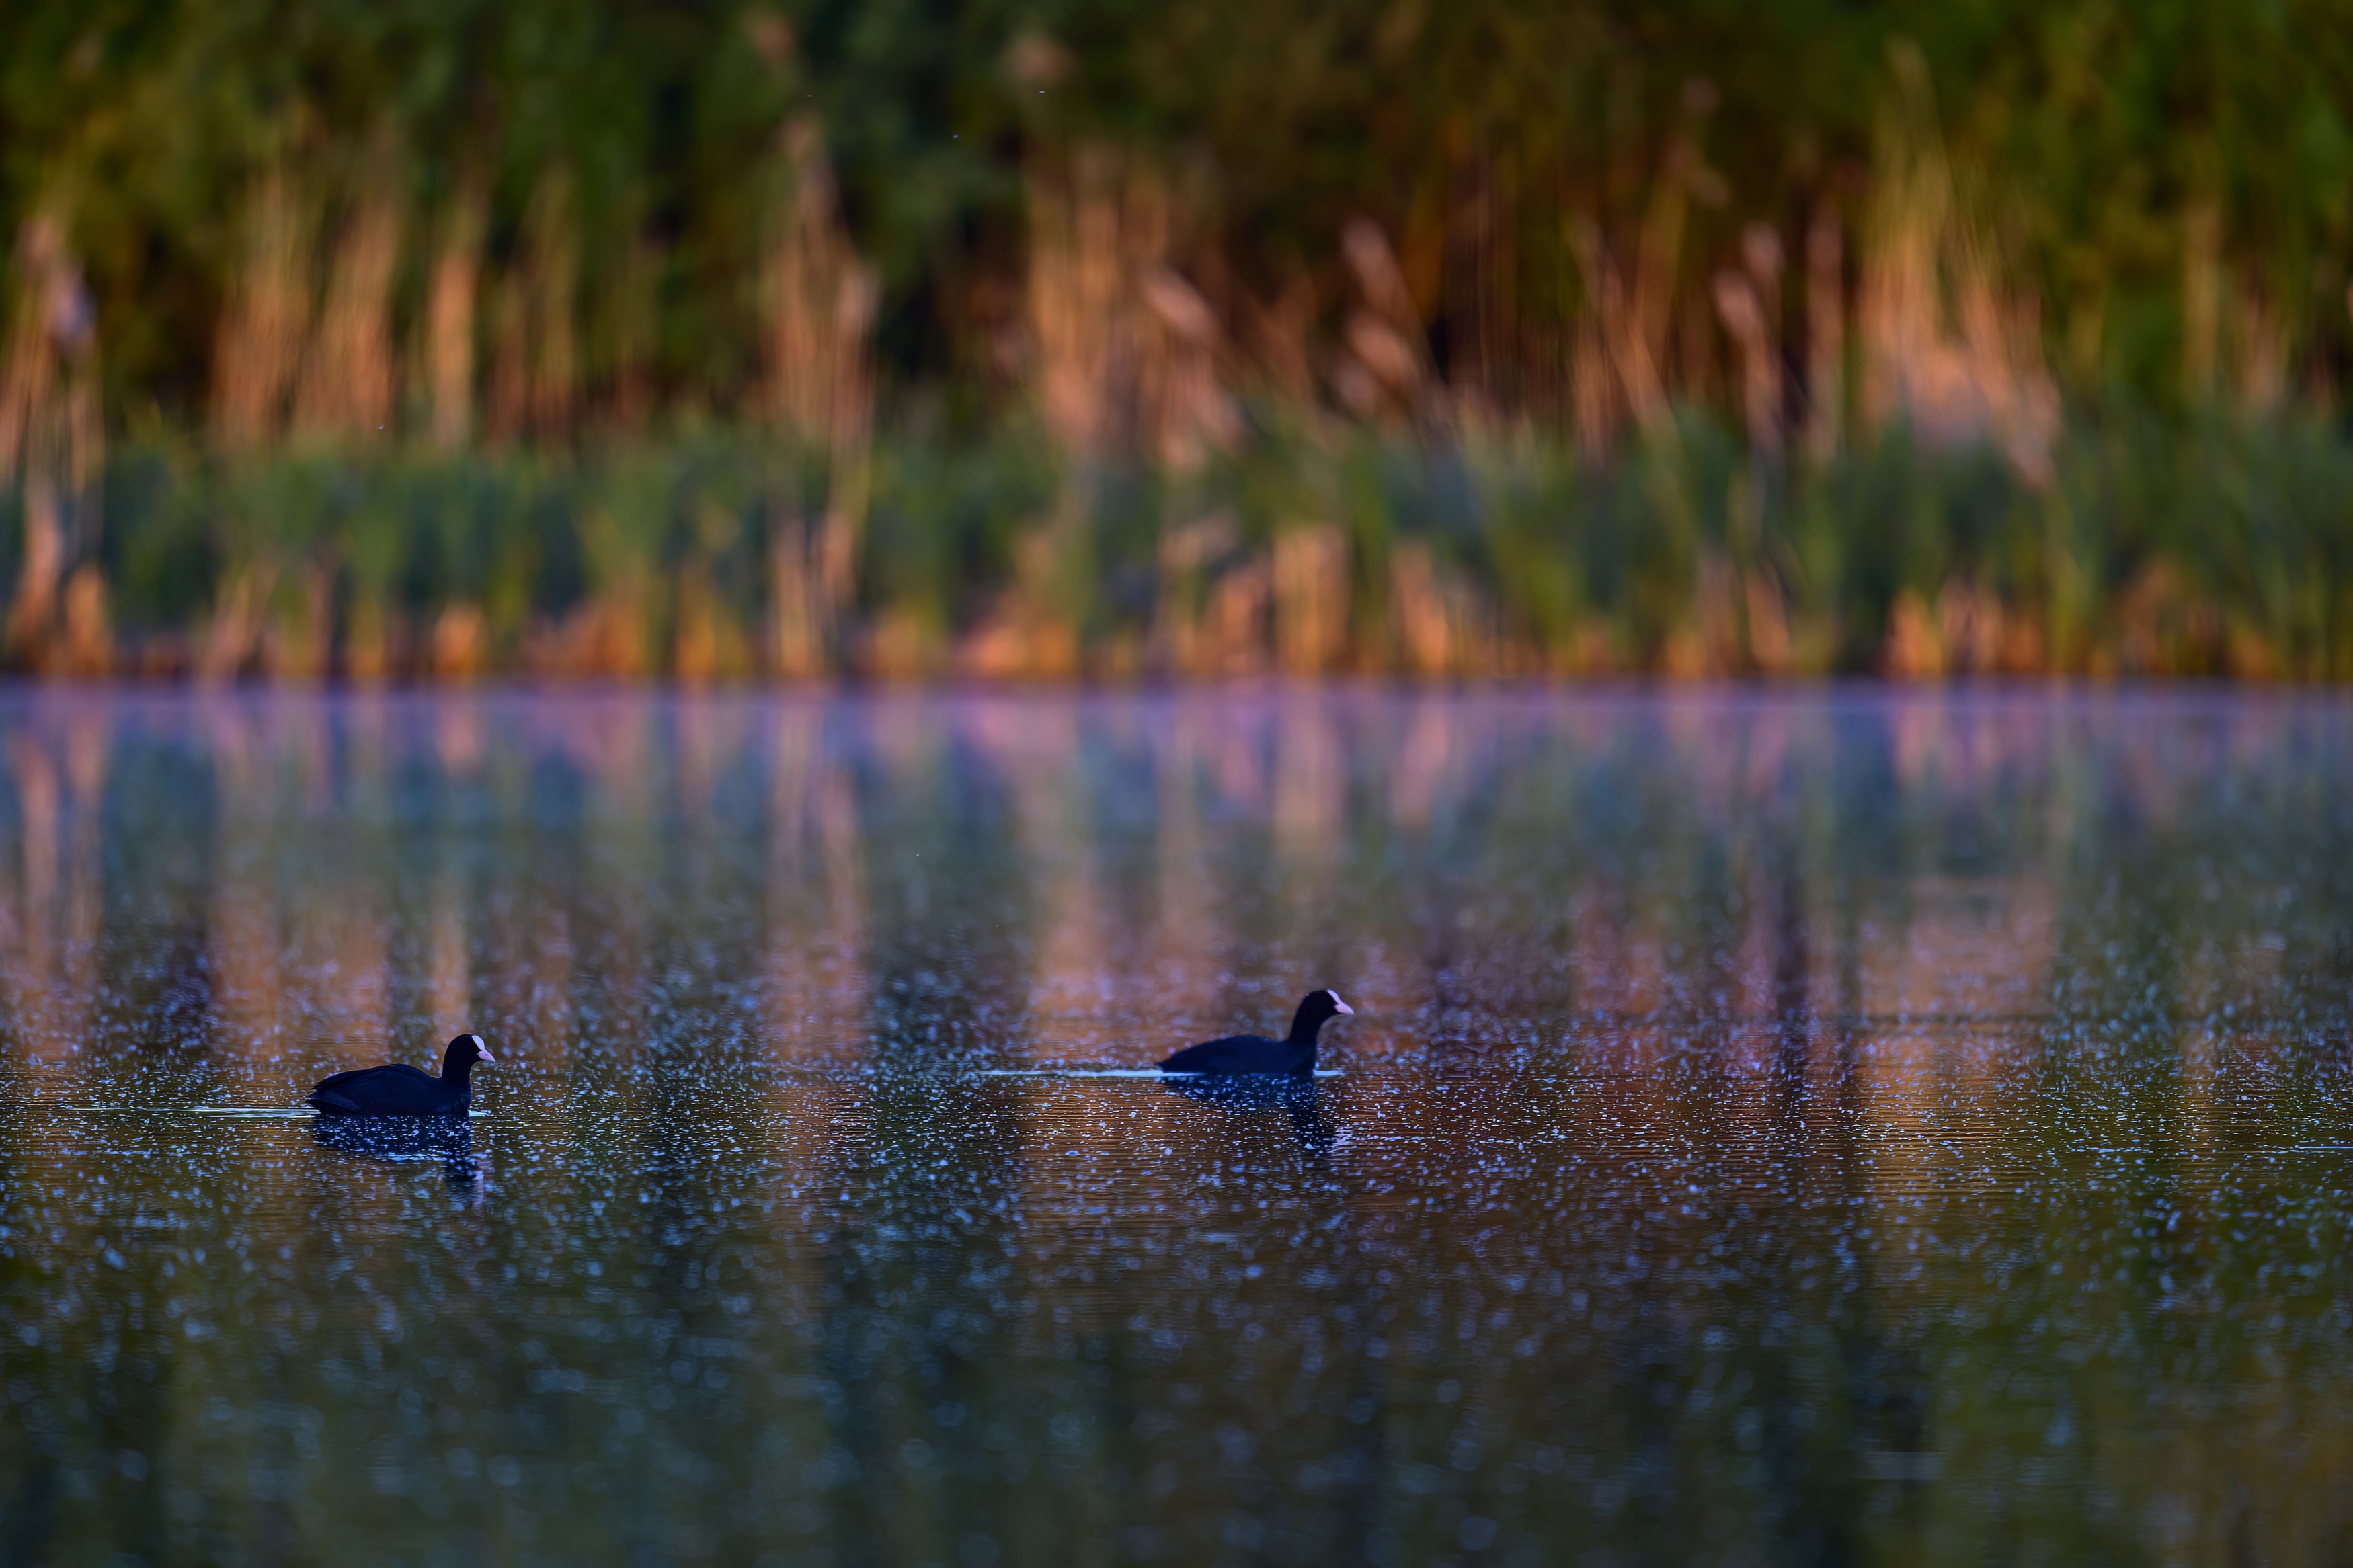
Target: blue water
{"x": 1823, "y": 1126}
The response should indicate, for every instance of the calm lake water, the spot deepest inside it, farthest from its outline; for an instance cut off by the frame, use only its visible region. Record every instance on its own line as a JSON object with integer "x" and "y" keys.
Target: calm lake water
{"x": 1829, "y": 1126}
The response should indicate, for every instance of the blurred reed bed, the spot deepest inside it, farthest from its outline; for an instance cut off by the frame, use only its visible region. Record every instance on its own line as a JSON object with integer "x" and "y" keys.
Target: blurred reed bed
{"x": 2222, "y": 550}
{"x": 438, "y": 451}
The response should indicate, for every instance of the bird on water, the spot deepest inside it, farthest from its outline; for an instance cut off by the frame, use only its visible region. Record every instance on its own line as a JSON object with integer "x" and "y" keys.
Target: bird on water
{"x": 400, "y": 1090}
{"x": 1295, "y": 1054}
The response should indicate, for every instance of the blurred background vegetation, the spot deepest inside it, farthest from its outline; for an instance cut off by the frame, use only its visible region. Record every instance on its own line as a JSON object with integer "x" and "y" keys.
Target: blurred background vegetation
{"x": 431, "y": 337}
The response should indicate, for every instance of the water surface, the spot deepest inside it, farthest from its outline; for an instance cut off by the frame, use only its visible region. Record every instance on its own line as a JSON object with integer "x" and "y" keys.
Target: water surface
{"x": 1819, "y": 1127}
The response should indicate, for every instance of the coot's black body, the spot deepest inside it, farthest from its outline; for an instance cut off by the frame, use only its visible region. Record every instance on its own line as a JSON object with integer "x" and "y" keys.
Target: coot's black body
{"x": 400, "y": 1089}
{"x": 1295, "y": 1054}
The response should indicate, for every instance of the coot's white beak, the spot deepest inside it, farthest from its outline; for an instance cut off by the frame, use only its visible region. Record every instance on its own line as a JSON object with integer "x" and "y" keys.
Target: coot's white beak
{"x": 1343, "y": 1006}
{"x": 482, "y": 1049}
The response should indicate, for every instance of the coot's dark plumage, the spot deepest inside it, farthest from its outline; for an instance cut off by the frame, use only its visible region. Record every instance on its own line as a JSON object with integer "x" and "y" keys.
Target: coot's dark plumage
{"x": 1255, "y": 1053}
{"x": 400, "y": 1089}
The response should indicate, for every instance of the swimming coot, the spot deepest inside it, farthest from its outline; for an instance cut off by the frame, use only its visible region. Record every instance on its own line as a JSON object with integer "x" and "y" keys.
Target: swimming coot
{"x": 400, "y": 1089}
{"x": 1255, "y": 1053}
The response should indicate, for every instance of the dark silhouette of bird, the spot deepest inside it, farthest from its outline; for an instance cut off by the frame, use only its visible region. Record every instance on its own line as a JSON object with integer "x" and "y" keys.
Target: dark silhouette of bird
{"x": 1294, "y": 1053}
{"x": 400, "y": 1090}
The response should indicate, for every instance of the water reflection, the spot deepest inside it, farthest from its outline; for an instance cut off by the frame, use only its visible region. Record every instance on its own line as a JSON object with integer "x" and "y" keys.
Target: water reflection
{"x": 1803, "y": 1128}
{"x": 445, "y": 1140}
{"x": 1297, "y": 1098}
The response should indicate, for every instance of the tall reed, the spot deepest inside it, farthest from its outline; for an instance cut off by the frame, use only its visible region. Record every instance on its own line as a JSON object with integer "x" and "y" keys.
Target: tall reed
{"x": 449, "y": 349}
{"x": 52, "y": 445}
{"x": 266, "y": 322}
{"x": 1949, "y": 349}
{"x": 819, "y": 301}
{"x": 1724, "y": 462}
{"x": 345, "y": 387}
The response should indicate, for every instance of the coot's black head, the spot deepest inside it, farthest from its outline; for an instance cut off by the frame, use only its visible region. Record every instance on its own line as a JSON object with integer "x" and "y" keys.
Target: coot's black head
{"x": 1313, "y": 1009}
{"x": 464, "y": 1051}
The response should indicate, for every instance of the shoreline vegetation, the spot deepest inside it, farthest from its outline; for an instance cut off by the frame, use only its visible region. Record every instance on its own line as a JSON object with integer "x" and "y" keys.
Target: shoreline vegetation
{"x": 1521, "y": 423}
{"x": 2149, "y": 552}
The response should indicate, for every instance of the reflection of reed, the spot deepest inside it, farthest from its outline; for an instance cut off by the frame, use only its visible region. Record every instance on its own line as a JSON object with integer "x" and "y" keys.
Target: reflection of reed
{"x": 1311, "y": 783}
{"x": 1426, "y": 772}
{"x": 815, "y": 983}
{"x": 529, "y": 963}
{"x": 1611, "y": 972}
{"x": 1650, "y": 1249}
{"x": 36, "y": 798}
{"x": 449, "y": 960}
{"x": 50, "y": 957}
{"x": 460, "y": 743}
{"x": 242, "y": 920}
{"x": 1187, "y": 939}
{"x": 1966, "y": 945}
{"x": 1037, "y": 748}
{"x": 341, "y": 978}
{"x": 300, "y": 970}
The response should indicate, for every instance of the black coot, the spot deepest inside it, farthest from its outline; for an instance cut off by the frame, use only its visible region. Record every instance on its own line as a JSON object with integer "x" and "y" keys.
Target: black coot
{"x": 1255, "y": 1053}
{"x": 400, "y": 1089}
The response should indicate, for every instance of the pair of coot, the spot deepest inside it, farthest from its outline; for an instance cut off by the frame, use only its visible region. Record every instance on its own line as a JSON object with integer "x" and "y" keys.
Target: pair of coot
{"x": 400, "y": 1090}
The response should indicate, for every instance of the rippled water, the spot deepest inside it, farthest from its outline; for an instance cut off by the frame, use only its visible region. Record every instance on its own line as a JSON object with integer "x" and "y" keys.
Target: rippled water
{"x": 1776, "y": 1127}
